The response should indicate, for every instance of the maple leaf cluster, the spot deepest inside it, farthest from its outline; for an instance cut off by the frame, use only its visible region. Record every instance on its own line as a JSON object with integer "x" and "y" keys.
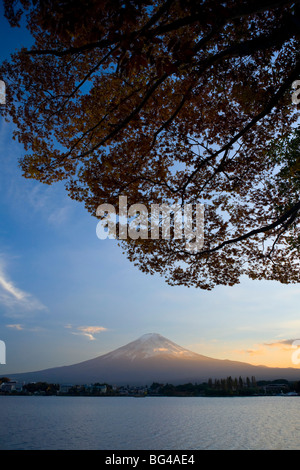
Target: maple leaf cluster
{"x": 169, "y": 101}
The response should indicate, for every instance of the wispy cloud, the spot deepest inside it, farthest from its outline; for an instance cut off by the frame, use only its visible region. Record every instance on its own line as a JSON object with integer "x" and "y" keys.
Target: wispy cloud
{"x": 55, "y": 208}
{"x": 258, "y": 351}
{"x": 20, "y": 327}
{"x": 278, "y": 350}
{"x": 16, "y": 326}
{"x": 284, "y": 344}
{"x": 88, "y": 331}
{"x": 60, "y": 215}
{"x": 13, "y": 297}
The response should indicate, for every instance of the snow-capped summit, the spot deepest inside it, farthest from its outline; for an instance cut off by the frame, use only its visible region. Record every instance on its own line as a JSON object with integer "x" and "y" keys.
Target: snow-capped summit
{"x": 150, "y": 345}
{"x": 153, "y": 358}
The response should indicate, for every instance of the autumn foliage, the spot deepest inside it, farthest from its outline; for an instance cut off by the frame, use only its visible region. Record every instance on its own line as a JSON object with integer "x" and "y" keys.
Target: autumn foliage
{"x": 169, "y": 101}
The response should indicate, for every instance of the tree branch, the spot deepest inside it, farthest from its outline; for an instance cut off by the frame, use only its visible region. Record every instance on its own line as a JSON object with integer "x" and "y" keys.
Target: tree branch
{"x": 286, "y": 219}
{"x": 268, "y": 108}
{"x": 72, "y": 50}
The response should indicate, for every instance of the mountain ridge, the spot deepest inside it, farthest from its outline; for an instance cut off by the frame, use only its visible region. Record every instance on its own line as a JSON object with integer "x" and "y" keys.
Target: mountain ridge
{"x": 153, "y": 358}
{"x": 149, "y": 345}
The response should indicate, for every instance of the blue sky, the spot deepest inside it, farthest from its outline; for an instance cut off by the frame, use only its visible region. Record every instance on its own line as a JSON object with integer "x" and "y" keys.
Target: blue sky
{"x": 66, "y": 296}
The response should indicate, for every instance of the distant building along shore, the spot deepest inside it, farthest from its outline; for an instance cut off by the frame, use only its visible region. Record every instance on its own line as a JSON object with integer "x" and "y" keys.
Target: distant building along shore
{"x": 224, "y": 387}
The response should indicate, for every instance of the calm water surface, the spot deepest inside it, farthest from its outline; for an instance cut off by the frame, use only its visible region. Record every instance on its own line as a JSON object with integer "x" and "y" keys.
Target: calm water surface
{"x": 157, "y": 423}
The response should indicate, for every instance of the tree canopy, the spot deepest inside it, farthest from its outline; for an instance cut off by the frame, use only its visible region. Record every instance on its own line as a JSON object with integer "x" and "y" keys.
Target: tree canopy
{"x": 169, "y": 101}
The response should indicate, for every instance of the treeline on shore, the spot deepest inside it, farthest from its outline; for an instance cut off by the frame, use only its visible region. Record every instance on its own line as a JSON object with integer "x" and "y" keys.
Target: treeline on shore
{"x": 229, "y": 387}
{"x": 219, "y": 387}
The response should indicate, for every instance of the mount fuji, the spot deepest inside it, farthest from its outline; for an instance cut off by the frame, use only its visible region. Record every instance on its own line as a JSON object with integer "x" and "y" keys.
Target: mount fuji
{"x": 153, "y": 358}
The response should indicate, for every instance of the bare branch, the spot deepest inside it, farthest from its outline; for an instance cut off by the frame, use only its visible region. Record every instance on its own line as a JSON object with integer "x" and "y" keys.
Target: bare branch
{"x": 267, "y": 109}
{"x": 285, "y": 220}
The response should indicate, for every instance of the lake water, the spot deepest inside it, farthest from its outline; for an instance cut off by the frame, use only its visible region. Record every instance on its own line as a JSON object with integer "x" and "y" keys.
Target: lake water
{"x": 156, "y": 423}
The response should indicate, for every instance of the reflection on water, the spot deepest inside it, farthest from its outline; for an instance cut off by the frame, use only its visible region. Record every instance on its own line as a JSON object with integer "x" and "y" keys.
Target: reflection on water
{"x": 156, "y": 423}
